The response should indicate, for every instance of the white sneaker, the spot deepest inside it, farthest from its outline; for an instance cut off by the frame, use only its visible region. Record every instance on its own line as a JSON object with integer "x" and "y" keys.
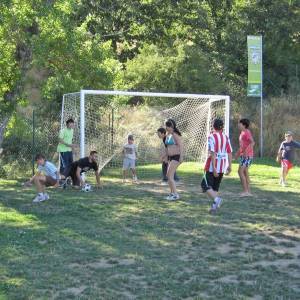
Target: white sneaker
{"x": 46, "y": 196}
{"x": 134, "y": 178}
{"x": 173, "y": 197}
{"x": 163, "y": 182}
{"x": 39, "y": 198}
{"x": 170, "y": 196}
{"x": 283, "y": 184}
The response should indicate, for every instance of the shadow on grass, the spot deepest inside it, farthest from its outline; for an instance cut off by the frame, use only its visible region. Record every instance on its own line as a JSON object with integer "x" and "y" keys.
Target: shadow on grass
{"x": 127, "y": 242}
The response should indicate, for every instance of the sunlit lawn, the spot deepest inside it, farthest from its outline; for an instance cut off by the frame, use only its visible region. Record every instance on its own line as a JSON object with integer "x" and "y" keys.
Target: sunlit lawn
{"x": 127, "y": 242}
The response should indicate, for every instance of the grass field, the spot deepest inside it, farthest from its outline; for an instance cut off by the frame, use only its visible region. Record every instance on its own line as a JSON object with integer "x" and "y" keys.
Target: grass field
{"x": 127, "y": 242}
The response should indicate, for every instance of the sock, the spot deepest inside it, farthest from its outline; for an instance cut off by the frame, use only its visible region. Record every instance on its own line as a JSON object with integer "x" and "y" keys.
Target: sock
{"x": 217, "y": 200}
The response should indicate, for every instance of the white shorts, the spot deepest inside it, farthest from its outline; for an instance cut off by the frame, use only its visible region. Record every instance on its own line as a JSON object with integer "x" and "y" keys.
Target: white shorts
{"x": 128, "y": 163}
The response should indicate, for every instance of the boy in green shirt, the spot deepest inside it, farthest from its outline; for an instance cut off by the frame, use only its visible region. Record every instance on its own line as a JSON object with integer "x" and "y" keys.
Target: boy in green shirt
{"x": 66, "y": 145}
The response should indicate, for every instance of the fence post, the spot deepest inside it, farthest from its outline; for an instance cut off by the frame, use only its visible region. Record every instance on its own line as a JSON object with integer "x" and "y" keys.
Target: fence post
{"x": 33, "y": 142}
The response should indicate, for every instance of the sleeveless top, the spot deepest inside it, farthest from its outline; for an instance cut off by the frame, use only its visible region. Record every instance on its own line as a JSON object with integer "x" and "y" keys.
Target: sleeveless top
{"x": 170, "y": 140}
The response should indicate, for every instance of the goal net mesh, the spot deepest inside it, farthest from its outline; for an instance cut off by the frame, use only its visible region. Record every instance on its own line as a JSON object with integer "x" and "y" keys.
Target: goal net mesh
{"x": 108, "y": 124}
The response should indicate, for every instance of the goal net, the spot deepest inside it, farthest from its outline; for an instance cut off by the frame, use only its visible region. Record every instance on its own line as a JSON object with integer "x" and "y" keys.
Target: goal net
{"x": 103, "y": 124}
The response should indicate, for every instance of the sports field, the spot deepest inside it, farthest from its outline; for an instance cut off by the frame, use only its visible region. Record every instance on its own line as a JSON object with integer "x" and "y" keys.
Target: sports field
{"x": 127, "y": 242}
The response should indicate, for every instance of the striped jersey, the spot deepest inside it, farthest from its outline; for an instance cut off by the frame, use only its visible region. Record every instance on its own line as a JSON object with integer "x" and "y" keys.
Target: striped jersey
{"x": 219, "y": 143}
{"x": 48, "y": 169}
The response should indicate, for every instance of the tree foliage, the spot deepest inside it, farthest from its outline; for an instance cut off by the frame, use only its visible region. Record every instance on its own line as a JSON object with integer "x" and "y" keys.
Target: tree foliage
{"x": 48, "y": 48}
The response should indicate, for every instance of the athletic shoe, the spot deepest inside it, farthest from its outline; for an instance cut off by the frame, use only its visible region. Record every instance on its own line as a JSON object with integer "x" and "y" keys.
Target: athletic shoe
{"x": 283, "y": 184}
{"x": 39, "y": 198}
{"x": 46, "y": 196}
{"x": 163, "y": 182}
{"x": 173, "y": 197}
{"x": 170, "y": 196}
{"x": 213, "y": 208}
{"x": 134, "y": 179}
{"x": 176, "y": 197}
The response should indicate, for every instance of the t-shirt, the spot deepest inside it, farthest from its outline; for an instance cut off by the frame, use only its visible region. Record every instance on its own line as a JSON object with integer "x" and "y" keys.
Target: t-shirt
{"x": 48, "y": 169}
{"x": 84, "y": 164}
{"x": 245, "y": 140}
{"x": 67, "y": 136}
{"x": 129, "y": 151}
{"x": 219, "y": 143}
{"x": 288, "y": 150}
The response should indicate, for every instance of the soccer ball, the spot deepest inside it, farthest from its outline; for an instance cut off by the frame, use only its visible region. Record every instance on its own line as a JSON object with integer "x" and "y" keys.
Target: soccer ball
{"x": 86, "y": 188}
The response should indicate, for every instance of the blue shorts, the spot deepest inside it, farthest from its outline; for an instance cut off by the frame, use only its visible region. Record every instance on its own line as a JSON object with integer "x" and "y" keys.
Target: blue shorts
{"x": 128, "y": 163}
{"x": 246, "y": 161}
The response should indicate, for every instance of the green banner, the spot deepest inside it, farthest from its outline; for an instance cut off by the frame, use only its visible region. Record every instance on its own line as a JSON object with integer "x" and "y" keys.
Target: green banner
{"x": 254, "y": 66}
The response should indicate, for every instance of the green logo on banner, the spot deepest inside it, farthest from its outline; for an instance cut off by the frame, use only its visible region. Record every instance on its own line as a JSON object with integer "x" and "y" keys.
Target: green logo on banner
{"x": 254, "y": 66}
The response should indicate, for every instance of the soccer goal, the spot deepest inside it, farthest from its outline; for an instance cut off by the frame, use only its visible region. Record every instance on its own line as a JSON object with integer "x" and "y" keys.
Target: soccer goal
{"x": 103, "y": 124}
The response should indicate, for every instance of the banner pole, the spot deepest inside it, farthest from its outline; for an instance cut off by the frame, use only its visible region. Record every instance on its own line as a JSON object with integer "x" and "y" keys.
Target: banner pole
{"x": 261, "y": 105}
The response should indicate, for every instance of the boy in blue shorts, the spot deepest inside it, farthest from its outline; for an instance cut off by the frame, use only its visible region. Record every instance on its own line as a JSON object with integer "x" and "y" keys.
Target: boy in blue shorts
{"x": 129, "y": 158}
{"x": 46, "y": 176}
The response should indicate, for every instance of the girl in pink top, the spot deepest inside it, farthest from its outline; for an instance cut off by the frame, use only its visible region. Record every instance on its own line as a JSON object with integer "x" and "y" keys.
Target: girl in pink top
{"x": 245, "y": 153}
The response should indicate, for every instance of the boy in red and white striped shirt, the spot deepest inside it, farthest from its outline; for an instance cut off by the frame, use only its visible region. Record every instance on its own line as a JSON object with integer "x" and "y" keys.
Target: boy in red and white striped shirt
{"x": 217, "y": 163}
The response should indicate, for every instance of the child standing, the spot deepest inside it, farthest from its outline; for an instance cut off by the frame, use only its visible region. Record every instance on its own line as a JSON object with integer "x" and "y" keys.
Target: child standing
{"x": 286, "y": 154}
{"x": 217, "y": 163}
{"x": 130, "y": 156}
{"x": 66, "y": 146}
{"x": 245, "y": 153}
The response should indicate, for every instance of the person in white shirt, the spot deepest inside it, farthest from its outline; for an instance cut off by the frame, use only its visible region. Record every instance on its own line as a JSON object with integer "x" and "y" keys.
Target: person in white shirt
{"x": 46, "y": 176}
{"x": 129, "y": 158}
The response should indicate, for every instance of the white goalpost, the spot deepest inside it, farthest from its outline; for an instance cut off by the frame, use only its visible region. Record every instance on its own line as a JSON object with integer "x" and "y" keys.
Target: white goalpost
{"x": 103, "y": 124}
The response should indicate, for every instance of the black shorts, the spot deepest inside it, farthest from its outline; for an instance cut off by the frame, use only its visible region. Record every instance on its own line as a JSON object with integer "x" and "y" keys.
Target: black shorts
{"x": 210, "y": 182}
{"x": 174, "y": 157}
{"x": 69, "y": 172}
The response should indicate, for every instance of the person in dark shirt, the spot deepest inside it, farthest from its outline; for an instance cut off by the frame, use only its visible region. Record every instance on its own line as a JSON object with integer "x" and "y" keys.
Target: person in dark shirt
{"x": 286, "y": 155}
{"x": 80, "y": 166}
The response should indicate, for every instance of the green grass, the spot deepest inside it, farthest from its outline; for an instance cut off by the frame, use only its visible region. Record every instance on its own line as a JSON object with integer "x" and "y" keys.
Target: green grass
{"x": 127, "y": 242}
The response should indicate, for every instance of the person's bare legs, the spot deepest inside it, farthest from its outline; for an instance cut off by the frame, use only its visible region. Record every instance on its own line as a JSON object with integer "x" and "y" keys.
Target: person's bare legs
{"x": 134, "y": 177}
{"x": 246, "y": 173}
{"x": 40, "y": 183}
{"x": 212, "y": 194}
{"x": 124, "y": 175}
{"x": 173, "y": 165}
{"x": 243, "y": 179}
{"x": 284, "y": 172}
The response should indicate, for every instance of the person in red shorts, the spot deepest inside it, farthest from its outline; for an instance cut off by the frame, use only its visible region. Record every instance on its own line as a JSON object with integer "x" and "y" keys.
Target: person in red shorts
{"x": 286, "y": 155}
{"x": 245, "y": 153}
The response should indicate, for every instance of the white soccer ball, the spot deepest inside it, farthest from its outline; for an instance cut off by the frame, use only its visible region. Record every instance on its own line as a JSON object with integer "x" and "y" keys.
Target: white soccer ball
{"x": 86, "y": 188}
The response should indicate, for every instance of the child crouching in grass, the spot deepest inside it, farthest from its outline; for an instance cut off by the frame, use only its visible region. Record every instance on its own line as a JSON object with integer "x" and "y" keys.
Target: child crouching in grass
{"x": 46, "y": 176}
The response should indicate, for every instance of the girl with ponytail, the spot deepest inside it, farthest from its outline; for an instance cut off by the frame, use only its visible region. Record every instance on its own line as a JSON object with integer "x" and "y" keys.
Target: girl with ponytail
{"x": 174, "y": 146}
